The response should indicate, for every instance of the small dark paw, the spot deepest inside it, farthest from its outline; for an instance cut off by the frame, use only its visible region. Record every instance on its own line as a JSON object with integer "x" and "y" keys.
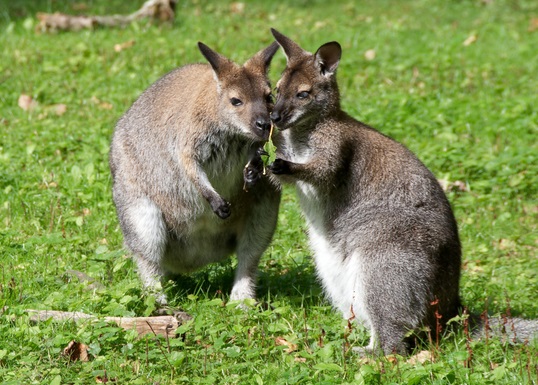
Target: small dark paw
{"x": 261, "y": 152}
{"x": 222, "y": 209}
{"x": 279, "y": 167}
{"x": 254, "y": 170}
{"x": 251, "y": 176}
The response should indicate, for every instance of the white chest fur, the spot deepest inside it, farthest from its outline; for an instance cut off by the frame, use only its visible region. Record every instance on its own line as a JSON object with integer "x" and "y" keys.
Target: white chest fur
{"x": 293, "y": 151}
{"x": 340, "y": 274}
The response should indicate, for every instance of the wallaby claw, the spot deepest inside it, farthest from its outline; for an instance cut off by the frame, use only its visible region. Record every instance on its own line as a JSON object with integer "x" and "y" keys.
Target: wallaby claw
{"x": 262, "y": 152}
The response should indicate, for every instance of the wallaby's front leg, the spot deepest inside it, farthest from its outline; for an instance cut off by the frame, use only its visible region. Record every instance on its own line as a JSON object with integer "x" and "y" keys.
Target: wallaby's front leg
{"x": 281, "y": 167}
{"x": 320, "y": 168}
{"x": 254, "y": 240}
{"x": 254, "y": 169}
{"x": 199, "y": 178}
{"x": 307, "y": 172}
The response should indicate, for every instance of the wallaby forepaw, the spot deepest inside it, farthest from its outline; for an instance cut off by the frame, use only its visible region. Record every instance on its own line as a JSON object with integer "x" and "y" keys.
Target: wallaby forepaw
{"x": 279, "y": 167}
{"x": 222, "y": 209}
{"x": 253, "y": 172}
{"x": 251, "y": 176}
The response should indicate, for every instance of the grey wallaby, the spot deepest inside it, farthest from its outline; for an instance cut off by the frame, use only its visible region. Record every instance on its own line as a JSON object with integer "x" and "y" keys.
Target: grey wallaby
{"x": 178, "y": 159}
{"x": 384, "y": 238}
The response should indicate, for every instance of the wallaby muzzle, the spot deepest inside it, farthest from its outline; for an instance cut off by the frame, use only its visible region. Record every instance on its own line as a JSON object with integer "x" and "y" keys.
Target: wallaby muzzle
{"x": 277, "y": 116}
{"x": 263, "y": 128}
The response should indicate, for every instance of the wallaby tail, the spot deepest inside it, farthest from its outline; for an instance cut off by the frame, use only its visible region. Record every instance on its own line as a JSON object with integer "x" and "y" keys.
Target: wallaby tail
{"x": 509, "y": 329}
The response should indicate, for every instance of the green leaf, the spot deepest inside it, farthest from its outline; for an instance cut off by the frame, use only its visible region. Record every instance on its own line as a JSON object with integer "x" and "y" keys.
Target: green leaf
{"x": 232, "y": 351}
{"x": 326, "y": 366}
{"x": 76, "y": 173}
{"x": 270, "y": 148}
{"x": 101, "y": 249}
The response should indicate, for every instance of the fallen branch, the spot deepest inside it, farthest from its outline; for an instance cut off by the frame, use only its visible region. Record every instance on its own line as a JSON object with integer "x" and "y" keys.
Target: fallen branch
{"x": 163, "y": 10}
{"x": 160, "y": 325}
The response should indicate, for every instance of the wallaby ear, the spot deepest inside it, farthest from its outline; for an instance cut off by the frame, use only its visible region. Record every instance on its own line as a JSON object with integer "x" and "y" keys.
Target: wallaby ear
{"x": 263, "y": 58}
{"x": 291, "y": 48}
{"x": 328, "y": 56}
{"x": 217, "y": 61}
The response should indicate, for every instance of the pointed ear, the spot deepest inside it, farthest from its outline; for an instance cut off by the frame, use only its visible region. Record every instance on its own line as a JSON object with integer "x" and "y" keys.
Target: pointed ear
{"x": 291, "y": 48}
{"x": 328, "y": 56}
{"x": 217, "y": 61}
{"x": 262, "y": 59}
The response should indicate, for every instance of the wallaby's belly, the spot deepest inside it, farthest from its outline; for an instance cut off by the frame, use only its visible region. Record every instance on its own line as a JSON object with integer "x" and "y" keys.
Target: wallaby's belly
{"x": 203, "y": 239}
{"x": 199, "y": 248}
{"x": 341, "y": 275}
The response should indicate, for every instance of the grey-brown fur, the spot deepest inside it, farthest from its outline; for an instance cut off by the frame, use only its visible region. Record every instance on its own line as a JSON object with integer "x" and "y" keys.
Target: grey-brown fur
{"x": 384, "y": 237}
{"x": 177, "y": 160}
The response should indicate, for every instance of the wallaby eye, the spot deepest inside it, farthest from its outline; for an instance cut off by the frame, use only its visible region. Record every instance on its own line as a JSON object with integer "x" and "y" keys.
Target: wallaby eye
{"x": 236, "y": 102}
{"x": 303, "y": 94}
{"x": 270, "y": 99}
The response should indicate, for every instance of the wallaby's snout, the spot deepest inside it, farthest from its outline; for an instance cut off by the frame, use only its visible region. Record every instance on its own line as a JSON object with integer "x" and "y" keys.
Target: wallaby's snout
{"x": 263, "y": 127}
{"x": 275, "y": 116}
{"x": 281, "y": 116}
{"x": 278, "y": 117}
{"x": 263, "y": 124}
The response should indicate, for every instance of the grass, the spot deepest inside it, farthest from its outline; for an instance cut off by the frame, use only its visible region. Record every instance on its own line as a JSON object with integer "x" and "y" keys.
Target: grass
{"x": 468, "y": 111}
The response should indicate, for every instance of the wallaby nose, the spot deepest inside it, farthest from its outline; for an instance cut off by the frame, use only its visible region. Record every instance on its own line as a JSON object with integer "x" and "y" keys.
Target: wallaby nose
{"x": 275, "y": 116}
{"x": 263, "y": 124}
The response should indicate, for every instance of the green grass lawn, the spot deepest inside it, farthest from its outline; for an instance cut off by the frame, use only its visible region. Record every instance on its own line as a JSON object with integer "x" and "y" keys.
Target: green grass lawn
{"x": 456, "y": 81}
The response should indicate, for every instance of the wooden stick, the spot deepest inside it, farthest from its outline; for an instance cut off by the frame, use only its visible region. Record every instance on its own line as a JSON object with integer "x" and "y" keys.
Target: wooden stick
{"x": 163, "y": 10}
{"x": 160, "y": 325}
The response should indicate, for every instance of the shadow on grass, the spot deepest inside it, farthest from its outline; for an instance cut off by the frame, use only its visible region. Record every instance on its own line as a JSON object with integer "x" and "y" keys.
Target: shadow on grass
{"x": 298, "y": 284}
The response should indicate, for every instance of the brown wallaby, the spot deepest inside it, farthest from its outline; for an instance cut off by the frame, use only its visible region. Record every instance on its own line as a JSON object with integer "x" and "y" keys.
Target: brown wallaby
{"x": 384, "y": 237}
{"x": 177, "y": 160}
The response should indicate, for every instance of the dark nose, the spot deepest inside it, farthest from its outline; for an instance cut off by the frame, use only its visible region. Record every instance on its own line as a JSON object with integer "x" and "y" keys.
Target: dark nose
{"x": 263, "y": 124}
{"x": 275, "y": 116}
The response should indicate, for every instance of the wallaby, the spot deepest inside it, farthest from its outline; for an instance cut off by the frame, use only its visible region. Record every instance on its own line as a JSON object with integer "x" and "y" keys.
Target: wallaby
{"x": 384, "y": 238}
{"x": 177, "y": 160}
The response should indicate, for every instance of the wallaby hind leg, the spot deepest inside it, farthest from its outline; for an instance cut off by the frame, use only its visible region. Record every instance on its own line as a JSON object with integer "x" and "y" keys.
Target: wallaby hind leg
{"x": 145, "y": 236}
{"x": 254, "y": 241}
{"x": 393, "y": 305}
{"x": 150, "y": 274}
{"x": 385, "y": 338}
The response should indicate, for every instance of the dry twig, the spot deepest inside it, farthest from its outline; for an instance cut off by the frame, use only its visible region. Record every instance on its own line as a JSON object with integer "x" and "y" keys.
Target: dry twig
{"x": 163, "y": 10}
{"x": 160, "y": 325}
